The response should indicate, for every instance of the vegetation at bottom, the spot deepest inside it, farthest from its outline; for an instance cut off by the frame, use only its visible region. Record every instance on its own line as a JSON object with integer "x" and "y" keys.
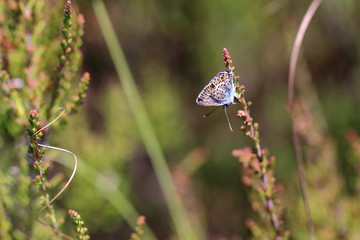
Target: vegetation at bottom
{"x": 147, "y": 164}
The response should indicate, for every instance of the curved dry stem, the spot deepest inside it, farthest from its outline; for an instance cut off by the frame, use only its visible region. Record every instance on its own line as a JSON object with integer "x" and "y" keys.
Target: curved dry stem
{"x": 296, "y": 48}
{"x": 47, "y": 125}
{"x": 67, "y": 183}
{"x": 291, "y": 82}
{"x": 70, "y": 179}
{"x": 60, "y": 192}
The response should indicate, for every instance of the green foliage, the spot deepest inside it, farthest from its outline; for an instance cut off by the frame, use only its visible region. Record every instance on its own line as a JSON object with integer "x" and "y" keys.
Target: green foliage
{"x": 39, "y": 72}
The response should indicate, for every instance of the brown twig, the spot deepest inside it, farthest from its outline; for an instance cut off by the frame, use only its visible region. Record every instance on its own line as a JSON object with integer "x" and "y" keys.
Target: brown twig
{"x": 291, "y": 80}
{"x": 296, "y": 48}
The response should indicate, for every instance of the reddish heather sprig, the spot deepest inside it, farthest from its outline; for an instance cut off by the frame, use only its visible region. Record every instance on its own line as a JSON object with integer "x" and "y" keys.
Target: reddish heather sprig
{"x": 354, "y": 140}
{"x": 80, "y": 31}
{"x": 66, "y": 31}
{"x": 34, "y": 126}
{"x": 5, "y": 88}
{"x": 69, "y": 65}
{"x": 77, "y": 99}
{"x": 37, "y": 153}
{"x": 80, "y": 228}
{"x": 227, "y": 59}
{"x": 66, "y": 45}
{"x": 354, "y": 156}
{"x": 256, "y": 163}
{"x": 138, "y": 229}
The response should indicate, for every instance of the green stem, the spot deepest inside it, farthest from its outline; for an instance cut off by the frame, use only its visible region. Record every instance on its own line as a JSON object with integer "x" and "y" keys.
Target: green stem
{"x": 177, "y": 211}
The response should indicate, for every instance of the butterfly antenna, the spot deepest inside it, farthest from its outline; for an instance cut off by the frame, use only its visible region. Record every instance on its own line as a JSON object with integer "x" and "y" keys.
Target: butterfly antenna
{"x": 227, "y": 117}
{"x": 211, "y": 112}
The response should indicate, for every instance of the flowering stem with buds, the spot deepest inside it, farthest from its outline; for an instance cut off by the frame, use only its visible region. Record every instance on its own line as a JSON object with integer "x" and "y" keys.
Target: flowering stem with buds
{"x": 66, "y": 45}
{"x": 259, "y": 163}
{"x": 139, "y": 229}
{"x": 80, "y": 228}
{"x": 251, "y": 130}
{"x": 37, "y": 153}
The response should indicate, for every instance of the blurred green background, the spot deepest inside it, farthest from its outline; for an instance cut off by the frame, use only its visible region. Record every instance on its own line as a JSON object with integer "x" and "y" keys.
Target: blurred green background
{"x": 174, "y": 48}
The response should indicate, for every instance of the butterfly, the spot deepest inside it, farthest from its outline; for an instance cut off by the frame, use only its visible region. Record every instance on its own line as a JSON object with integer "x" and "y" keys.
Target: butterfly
{"x": 220, "y": 91}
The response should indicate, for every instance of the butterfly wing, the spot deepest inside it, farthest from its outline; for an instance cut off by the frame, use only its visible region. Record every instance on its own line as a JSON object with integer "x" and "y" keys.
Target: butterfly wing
{"x": 219, "y": 91}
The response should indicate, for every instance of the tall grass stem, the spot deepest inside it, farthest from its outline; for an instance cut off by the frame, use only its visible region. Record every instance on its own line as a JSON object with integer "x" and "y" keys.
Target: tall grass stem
{"x": 177, "y": 211}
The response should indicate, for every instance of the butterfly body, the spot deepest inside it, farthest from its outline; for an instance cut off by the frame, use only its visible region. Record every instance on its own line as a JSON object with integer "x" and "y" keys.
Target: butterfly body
{"x": 220, "y": 91}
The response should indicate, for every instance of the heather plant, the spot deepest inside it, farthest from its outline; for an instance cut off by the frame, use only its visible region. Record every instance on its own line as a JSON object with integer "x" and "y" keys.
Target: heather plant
{"x": 328, "y": 209}
{"x": 79, "y": 223}
{"x": 40, "y": 62}
{"x": 138, "y": 229}
{"x": 257, "y": 172}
